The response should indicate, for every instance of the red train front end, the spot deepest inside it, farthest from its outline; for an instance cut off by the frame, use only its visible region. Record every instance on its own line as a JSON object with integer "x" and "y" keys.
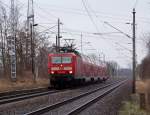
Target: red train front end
{"x": 61, "y": 68}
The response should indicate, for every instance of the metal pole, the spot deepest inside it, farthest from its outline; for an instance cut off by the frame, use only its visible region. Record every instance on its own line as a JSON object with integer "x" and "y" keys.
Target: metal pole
{"x": 56, "y": 43}
{"x": 30, "y": 23}
{"x": 58, "y": 35}
{"x": 134, "y": 53}
{"x": 13, "y": 41}
{"x": 33, "y": 44}
{"x": 32, "y": 60}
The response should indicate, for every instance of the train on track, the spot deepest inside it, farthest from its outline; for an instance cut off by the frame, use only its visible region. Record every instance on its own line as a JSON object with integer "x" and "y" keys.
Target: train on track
{"x": 69, "y": 67}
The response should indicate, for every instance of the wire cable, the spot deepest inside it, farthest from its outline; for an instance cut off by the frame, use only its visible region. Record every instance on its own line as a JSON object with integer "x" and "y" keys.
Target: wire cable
{"x": 44, "y": 11}
{"x": 91, "y": 18}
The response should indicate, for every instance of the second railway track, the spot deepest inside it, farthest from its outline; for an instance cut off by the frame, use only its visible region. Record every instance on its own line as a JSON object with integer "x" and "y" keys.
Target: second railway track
{"x": 76, "y": 108}
{"x": 21, "y": 95}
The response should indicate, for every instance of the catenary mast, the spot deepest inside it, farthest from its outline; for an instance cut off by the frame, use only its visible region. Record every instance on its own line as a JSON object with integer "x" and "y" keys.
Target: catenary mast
{"x": 13, "y": 40}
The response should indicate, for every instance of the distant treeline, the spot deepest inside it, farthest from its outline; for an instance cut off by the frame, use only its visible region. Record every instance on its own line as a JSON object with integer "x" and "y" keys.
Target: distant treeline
{"x": 124, "y": 72}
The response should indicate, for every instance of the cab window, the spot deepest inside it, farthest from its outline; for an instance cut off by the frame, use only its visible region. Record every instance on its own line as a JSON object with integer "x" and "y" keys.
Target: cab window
{"x": 66, "y": 60}
{"x": 56, "y": 60}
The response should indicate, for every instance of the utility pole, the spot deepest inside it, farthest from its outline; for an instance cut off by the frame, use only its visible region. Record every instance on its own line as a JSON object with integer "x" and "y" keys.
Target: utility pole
{"x": 31, "y": 24}
{"x": 58, "y": 35}
{"x": 13, "y": 41}
{"x": 134, "y": 52}
{"x": 56, "y": 44}
{"x": 32, "y": 49}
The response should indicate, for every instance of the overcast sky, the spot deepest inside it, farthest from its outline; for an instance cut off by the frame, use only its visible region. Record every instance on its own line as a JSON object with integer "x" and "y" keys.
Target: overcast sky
{"x": 88, "y": 17}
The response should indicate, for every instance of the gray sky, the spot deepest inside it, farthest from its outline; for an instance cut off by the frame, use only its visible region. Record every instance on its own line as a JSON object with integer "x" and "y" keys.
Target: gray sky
{"x": 76, "y": 20}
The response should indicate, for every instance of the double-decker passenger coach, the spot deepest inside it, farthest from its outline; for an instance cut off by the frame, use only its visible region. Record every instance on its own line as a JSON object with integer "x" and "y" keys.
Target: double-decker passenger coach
{"x": 67, "y": 68}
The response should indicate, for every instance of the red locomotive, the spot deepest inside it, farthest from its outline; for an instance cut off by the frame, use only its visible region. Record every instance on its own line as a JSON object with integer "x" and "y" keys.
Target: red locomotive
{"x": 71, "y": 67}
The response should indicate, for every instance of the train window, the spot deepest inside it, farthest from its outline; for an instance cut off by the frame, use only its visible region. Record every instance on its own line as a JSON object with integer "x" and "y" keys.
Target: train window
{"x": 56, "y": 60}
{"x": 66, "y": 59}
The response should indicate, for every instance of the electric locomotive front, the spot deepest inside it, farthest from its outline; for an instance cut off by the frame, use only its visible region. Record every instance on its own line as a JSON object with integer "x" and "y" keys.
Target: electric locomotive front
{"x": 61, "y": 68}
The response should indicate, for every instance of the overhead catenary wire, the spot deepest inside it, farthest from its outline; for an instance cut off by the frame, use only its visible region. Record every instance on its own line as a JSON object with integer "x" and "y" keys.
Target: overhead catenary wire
{"x": 121, "y": 18}
{"x": 91, "y": 18}
{"x": 77, "y": 33}
{"x": 102, "y": 14}
{"x": 82, "y": 12}
{"x": 74, "y": 32}
{"x": 128, "y": 36}
{"x": 44, "y": 11}
{"x": 39, "y": 14}
{"x": 93, "y": 11}
{"x": 125, "y": 48}
{"x": 89, "y": 11}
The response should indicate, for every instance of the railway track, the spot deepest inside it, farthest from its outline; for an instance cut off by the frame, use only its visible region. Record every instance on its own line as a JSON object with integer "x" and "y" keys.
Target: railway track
{"x": 103, "y": 91}
{"x": 92, "y": 101}
{"x": 14, "y": 96}
{"x": 9, "y": 97}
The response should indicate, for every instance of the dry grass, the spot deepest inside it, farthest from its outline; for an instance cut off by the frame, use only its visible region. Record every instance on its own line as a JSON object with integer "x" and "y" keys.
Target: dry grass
{"x": 130, "y": 108}
{"x": 23, "y": 82}
{"x": 143, "y": 87}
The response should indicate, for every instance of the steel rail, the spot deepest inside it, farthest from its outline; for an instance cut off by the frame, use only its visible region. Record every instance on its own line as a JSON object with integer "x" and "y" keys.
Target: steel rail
{"x": 56, "y": 105}
{"x": 25, "y": 96}
{"x": 92, "y": 101}
{"x": 7, "y": 95}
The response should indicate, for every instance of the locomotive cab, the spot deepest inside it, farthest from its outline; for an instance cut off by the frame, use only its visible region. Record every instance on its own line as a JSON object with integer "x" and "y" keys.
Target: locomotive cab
{"x": 61, "y": 68}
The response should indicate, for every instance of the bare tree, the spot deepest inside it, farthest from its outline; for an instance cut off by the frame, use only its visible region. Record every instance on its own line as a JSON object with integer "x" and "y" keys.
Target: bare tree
{"x": 112, "y": 68}
{"x": 23, "y": 42}
{"x": 3, "y": 35}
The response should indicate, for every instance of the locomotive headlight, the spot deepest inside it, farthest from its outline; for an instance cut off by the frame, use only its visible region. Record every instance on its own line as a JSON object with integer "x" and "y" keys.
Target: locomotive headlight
{"x": 70, "y": 72}
{"x": 52, "y": 72}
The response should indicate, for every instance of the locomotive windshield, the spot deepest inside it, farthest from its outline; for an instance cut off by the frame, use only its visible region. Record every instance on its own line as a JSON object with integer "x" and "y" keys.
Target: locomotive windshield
{"x": 56, "y": 60}
{"x": 59, "y": 60}
{"x": 66, "y": 59}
